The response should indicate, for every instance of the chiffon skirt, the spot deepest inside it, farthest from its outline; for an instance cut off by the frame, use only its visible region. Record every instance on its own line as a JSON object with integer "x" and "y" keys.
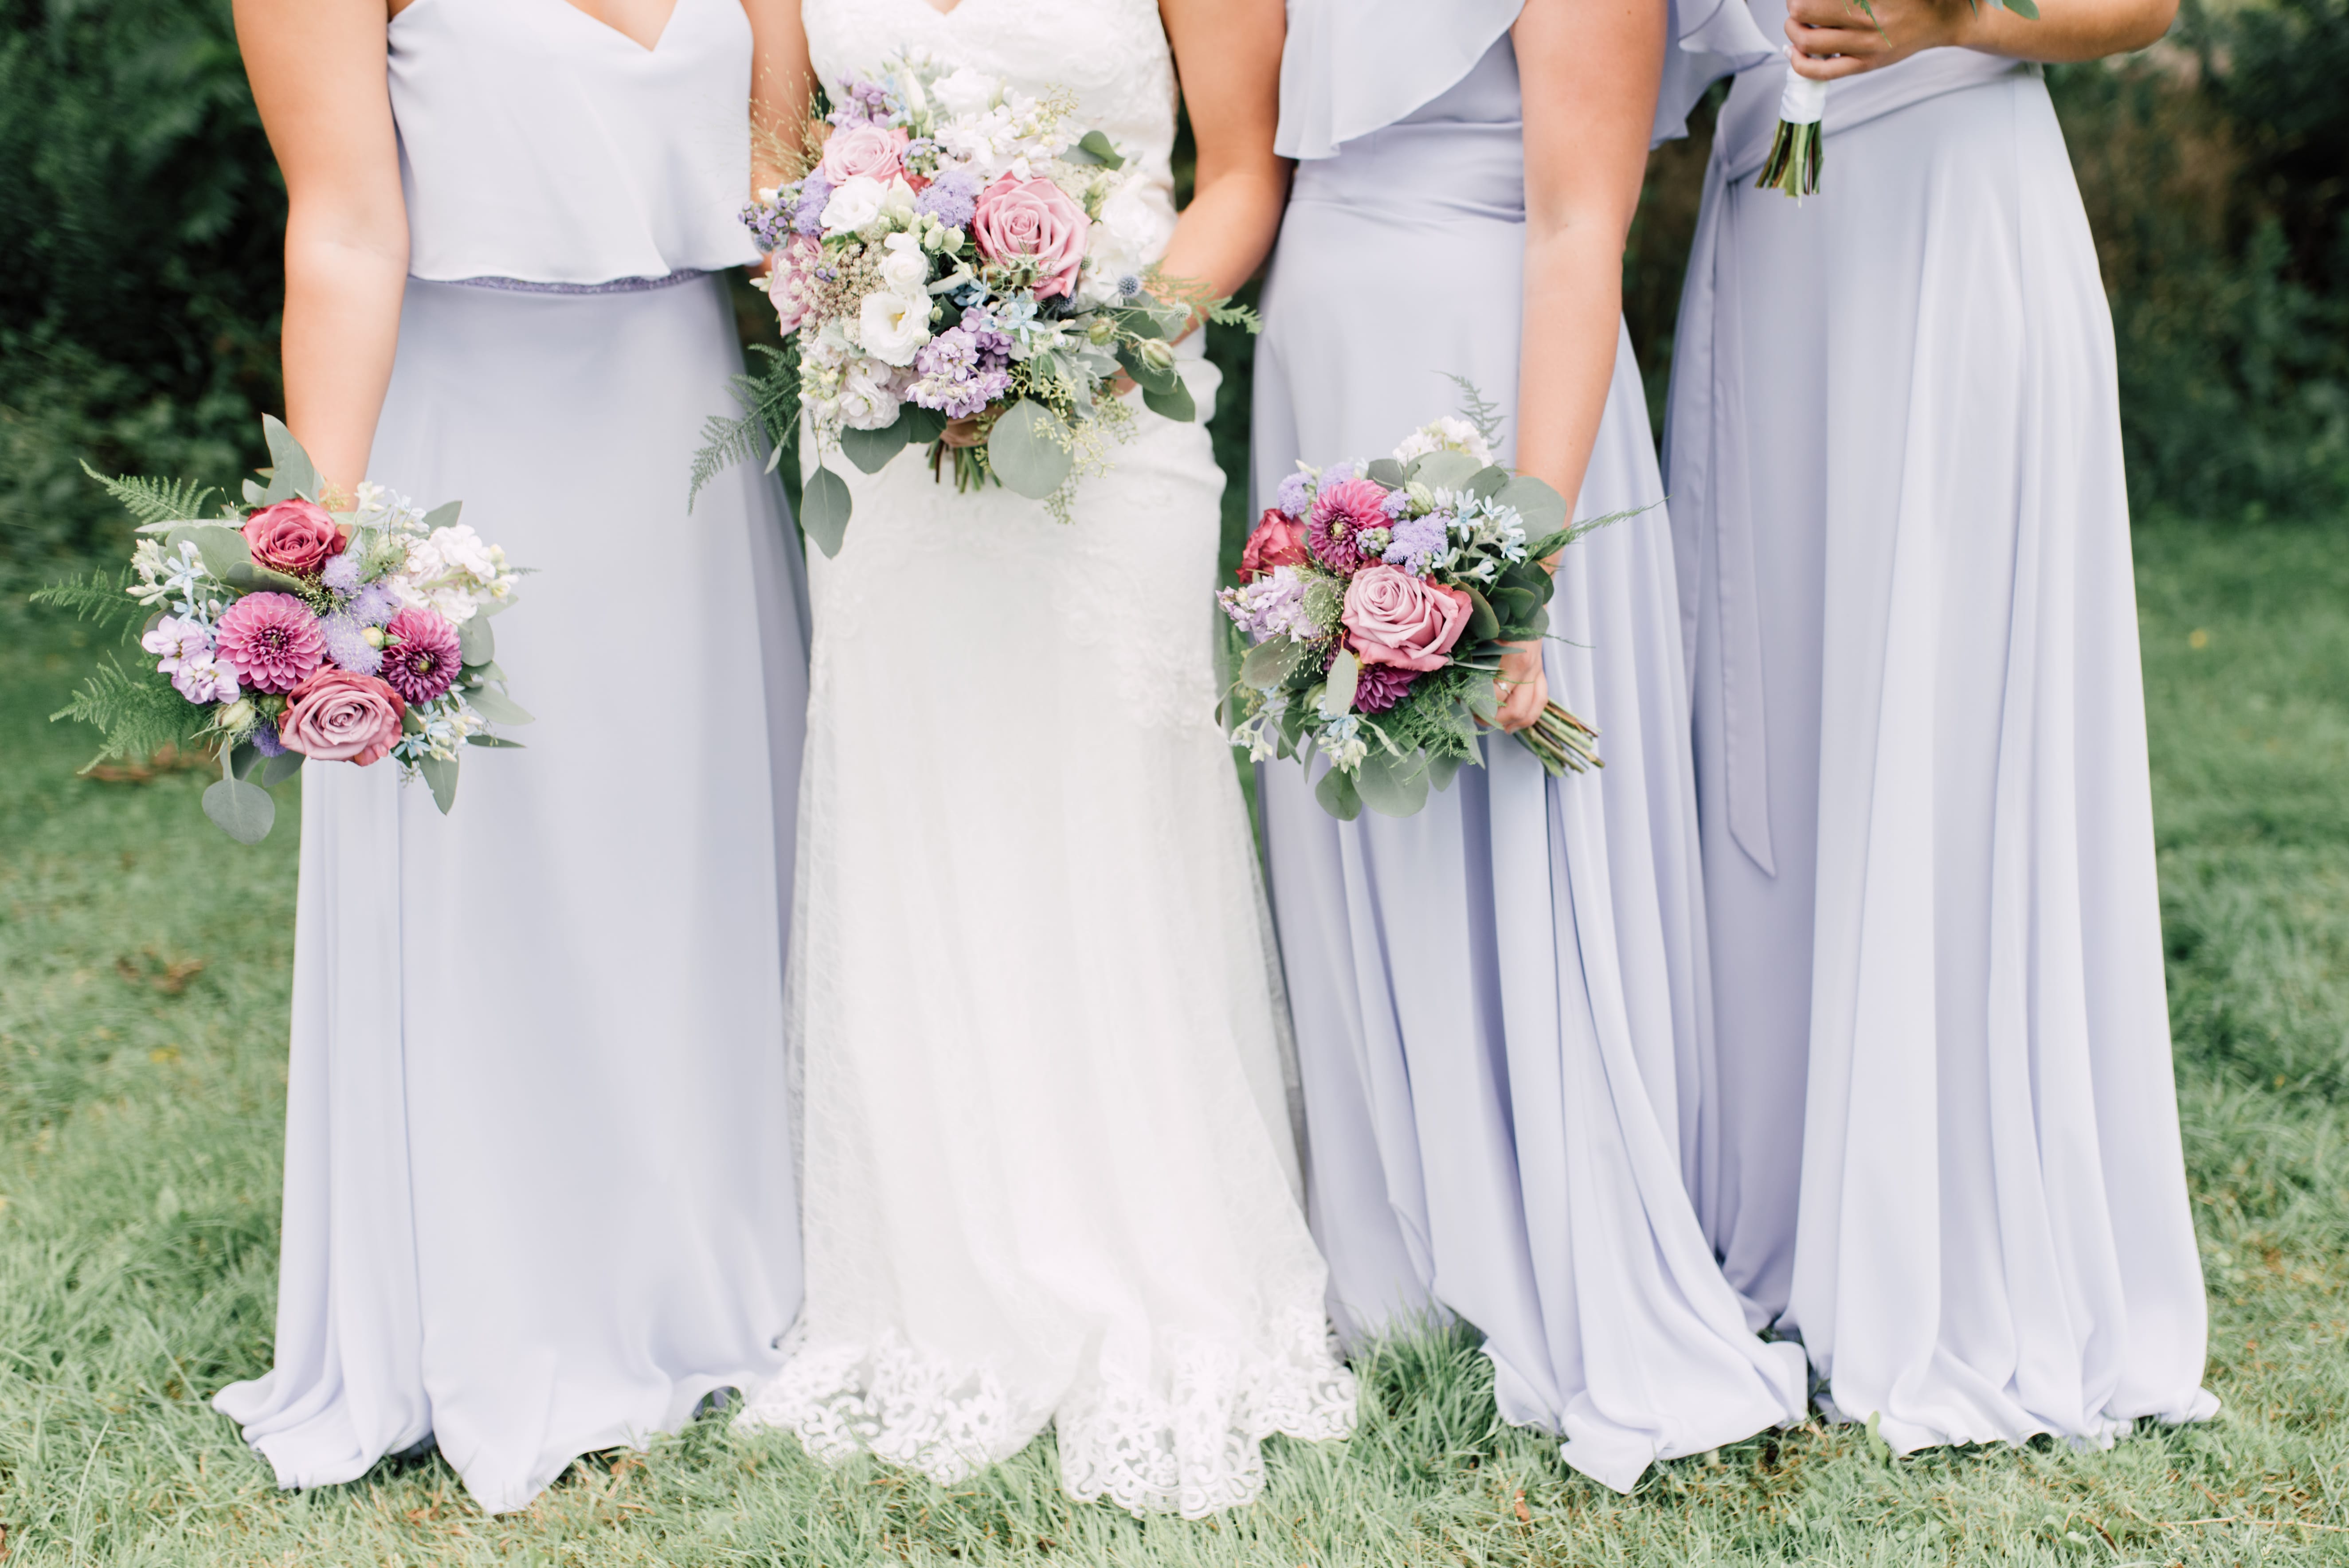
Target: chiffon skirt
{"x": 1500, "y": 1002}
{"x": 535, "y": 1201}
{"x": 1948, "y": 1149}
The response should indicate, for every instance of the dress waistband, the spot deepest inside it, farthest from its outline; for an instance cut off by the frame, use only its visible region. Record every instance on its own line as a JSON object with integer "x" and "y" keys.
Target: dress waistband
{"x": 1472, "y": 168}
{"x": 618, "y": 286}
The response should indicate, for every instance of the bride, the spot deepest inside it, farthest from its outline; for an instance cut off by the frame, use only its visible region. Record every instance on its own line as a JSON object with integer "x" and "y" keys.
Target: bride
{"x": 1043, "y": 1118}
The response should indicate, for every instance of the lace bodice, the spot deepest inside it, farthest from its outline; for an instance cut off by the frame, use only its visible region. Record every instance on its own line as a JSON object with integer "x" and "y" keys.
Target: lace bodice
{"x": 1110, "y": 54}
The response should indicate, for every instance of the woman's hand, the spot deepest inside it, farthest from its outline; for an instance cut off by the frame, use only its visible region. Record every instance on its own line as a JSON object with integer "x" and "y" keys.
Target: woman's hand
{"x": 1836, "y": 38}
{"x": 1523, "y": 686}
{"x": 961, "y": 433}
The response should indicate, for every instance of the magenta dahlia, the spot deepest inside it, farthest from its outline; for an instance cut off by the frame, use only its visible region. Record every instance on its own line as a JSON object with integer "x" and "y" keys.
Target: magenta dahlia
{"x": 1379, "y": 688}
{"x": 271, "y": 641}
{"x": 420, "y": 656}
{"x": 1342, "y": 511}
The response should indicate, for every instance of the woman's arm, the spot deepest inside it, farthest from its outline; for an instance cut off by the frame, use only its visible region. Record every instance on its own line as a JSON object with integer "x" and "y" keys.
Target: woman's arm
{"x": 317, "y": 71}
{"x": 1228, "y": 53}
{"x": 1587, "y": 70}
{"x": 1837, "y": 37}
{"x": 782, "y": 83}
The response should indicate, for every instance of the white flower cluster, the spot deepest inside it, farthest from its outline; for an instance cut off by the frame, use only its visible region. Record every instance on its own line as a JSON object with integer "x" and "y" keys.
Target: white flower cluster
{"x": 175, "y": 581}
{"x": 1448, "y": 434}
{"x": 447, "y": 720}
{"x": 454, "y": 571}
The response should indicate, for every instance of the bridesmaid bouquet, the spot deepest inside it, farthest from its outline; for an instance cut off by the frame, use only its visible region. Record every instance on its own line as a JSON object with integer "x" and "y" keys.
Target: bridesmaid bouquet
{"x": 1378, "y": 598}
{"x": 283, "y": 633}
{"x": 955, "y": 250}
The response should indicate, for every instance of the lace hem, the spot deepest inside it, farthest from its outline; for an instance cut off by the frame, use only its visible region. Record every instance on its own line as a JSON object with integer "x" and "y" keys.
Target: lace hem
{"x": 1186, "y": 1441}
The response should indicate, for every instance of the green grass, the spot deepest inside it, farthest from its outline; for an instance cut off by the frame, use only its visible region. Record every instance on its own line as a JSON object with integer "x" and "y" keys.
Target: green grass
{"x": 139, "y": 1130}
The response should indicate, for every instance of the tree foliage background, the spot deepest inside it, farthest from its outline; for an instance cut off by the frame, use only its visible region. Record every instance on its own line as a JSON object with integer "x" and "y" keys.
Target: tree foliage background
{"x": 140, "y": 216}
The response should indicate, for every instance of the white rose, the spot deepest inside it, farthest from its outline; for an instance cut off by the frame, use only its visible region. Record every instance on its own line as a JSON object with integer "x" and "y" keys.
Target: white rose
{"x": 893, "y": 325}
{"x": 855, "y": 201}
{"x": 868, "y": 397}
{"x": 966, "y": 92}
{"x": 905, "y": 268}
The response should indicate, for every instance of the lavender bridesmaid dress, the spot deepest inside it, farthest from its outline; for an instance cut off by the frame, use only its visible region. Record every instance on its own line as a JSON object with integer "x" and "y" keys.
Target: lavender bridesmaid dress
{"x": 1501, "y": 1002}
{"x": 1947, "y": 1150}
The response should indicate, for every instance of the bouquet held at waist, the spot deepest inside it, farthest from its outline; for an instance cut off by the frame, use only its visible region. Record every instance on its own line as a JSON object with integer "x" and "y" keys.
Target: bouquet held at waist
{"x": 953, "y": 249}
{"x": 1379, "y": 599}
{"x": 282, "y": 632}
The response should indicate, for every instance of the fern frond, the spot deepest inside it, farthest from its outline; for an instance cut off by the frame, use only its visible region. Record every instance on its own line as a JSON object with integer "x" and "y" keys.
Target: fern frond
{"x": 1475, "y": 408}
{"x": 135, "y": 709}
{"x": 155, "y": 500}
{"x": 771, "y": 402}
{"x": 100, "y": 598}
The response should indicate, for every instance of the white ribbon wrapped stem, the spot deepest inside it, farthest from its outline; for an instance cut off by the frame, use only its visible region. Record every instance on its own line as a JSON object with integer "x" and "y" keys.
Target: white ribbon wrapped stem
{"x": 1804, "y": 101}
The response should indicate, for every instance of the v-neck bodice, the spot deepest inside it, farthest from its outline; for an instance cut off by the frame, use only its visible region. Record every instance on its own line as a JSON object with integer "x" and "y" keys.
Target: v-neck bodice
{"x": 537, "y": 142}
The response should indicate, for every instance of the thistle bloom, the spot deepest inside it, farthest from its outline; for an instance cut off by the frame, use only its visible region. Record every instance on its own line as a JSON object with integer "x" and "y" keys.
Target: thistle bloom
{"x": 271, "y": 641}
{"x": 422, "y": 658}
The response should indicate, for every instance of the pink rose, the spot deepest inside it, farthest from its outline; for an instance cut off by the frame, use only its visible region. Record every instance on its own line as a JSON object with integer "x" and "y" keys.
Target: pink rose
{"x": 336, "y": 716}
{"x": 877, "y": 152}
{"x": 294, "y": 536}
{"x": 1034, "y": 224}
{"x": 1393, "y": 618}
{"x": 1279, "y": 540}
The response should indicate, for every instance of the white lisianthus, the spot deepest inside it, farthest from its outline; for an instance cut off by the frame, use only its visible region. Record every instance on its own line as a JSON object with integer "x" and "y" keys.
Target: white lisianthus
{"x": 965, "y": 92}
{"x": 898, "y": 206}
{"x": 905, "y": 268}
{"x": 868, "y": 397}
{"x": 854, "y": 203}
{"x": 1445, "y": 435}
{"x": 893, "y": 325}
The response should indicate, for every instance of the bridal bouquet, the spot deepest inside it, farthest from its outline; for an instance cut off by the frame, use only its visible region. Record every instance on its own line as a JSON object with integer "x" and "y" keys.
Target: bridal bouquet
{"x": 282, "y": 632}
{"x": 955, "y": 250}
{"x": 1378, "y": 598}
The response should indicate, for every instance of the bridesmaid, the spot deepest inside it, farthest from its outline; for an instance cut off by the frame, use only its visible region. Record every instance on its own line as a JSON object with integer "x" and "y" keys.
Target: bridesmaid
{"x": 1948, "y": 1154}
{"x": 533, "y": 1203}
{"x": 1500, "y": 1002}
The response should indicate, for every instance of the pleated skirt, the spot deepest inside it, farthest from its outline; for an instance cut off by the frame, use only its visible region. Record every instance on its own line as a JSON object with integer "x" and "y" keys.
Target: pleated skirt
{"x": 539, "y": 1192}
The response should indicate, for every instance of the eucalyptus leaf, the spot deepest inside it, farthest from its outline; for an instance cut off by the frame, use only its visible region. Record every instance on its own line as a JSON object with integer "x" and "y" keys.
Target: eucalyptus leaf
{"x": 923, "y": 426}
{"x": 254, "y": 491}
{"x": 443, "y": 516}
{"x": 1391, "y": 786}
{"x": 282, "y": 767}
{"x": 1338, "y": 691}
{"x": 1385, "y": 471}
{"x": 1336, "y": 793}
{"x": 825, "y": 506}
{"x": 1536, "y": 502}
{"x": 251, "y": 577}
{"x": 476, "y": 642}
{"x": 1028, "y": 449}
{"x": 220, "y": 546}
{"x": 1441, "y": 771}
{"x": 1099, "y": 148}
{"x": 411, "y": 722}
{"x": 244, "y": 759}
{"x": 478, "y": 675}
{"x": 2025, "y": 9}
{"x": 497, "y": 742}
{"x": 1444, "y": 470}
{"x": 243, "y": 811}
{"x": 872, "y": 450}
{"x": 442, "y": 777}
{"x": 1175, "y": 403}
{"x": 1140, "y": 323}
{"x": 1482, "y": 623}
{"x": 1271, "y": 661}
{"x": 498, "y": 708}
{"x": 1148, "y": 377}
{"x": 1483, "y": 700}
{"x": 1488, "y": 482}
{"x": 292, "y": 472}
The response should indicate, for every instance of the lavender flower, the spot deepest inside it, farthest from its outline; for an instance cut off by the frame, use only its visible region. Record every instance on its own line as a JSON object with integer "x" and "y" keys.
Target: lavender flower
{"x": 341, "y": 574}
{"x": 346, "y": 644}
{"x": 951, "y": 198}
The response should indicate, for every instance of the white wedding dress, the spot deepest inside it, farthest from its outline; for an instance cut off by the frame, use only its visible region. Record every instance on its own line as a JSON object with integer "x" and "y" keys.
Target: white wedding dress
{"x": 1045, "y": 1128}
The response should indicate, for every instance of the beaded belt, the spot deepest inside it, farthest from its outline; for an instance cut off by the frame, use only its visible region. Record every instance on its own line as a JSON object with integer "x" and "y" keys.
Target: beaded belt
{"x": 618, "y": 286}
